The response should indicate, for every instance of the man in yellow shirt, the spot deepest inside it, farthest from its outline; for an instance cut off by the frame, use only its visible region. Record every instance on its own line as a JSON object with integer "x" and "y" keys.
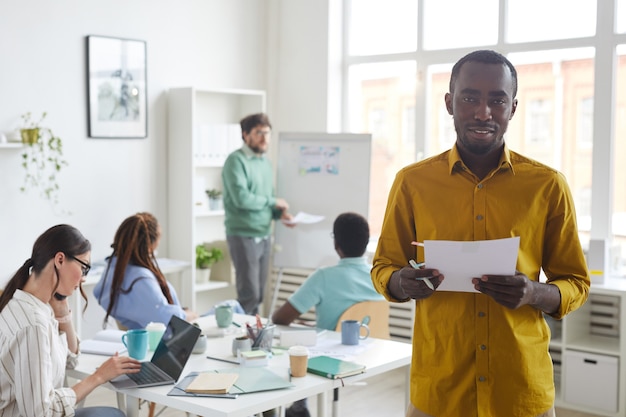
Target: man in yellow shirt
{"x": 482, "y": 354}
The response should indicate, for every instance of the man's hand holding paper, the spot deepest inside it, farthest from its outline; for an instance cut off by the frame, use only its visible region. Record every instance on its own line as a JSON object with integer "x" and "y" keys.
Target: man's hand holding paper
{"x": 459, "y": 262}
{"x": 510, "y": 291}
{"x": 486, "y": 266}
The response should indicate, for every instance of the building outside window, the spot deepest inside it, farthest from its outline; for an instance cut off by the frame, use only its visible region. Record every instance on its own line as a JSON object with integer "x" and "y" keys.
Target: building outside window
{"x": 560, "y": 104}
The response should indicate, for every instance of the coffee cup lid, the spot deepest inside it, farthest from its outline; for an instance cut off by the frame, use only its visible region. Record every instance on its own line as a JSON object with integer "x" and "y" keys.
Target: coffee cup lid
{"x": 298, "y": 350}
{"x": 155, "y": 326}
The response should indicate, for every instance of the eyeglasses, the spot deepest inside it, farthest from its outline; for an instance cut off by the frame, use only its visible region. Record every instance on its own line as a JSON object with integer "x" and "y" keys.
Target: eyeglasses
{"x": 85, "y": 266}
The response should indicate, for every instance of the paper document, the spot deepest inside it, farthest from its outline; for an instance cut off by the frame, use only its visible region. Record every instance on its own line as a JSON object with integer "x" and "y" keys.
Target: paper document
{"x": 304, "y": 218}
{"x": 459, "y": 262}
{"x": 105, "y": 342}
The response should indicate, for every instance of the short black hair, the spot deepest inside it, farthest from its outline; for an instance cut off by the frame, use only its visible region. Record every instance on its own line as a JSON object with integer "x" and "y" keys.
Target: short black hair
{"x": 253, "y": 120}
{"x": 352, "y": 234}
{"x": 483, "y": 56}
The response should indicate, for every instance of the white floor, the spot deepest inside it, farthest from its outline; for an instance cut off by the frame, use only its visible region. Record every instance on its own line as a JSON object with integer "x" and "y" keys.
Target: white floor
{"x": 382, "y": 396}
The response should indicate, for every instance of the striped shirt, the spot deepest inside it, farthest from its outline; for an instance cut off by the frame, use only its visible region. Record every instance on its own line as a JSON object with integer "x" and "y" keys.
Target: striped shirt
{"x": 33, "y": 358}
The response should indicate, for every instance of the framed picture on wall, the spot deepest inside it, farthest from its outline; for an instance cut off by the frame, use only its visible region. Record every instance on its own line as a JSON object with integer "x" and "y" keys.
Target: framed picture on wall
{"x": 116, "y": 88}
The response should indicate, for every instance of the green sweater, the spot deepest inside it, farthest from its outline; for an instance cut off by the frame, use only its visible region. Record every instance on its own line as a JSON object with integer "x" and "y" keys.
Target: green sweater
{"x": 249, "y": 200}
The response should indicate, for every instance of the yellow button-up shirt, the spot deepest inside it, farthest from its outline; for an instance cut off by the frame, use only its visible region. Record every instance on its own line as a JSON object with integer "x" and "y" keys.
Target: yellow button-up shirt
{"x": 472, "y": 356}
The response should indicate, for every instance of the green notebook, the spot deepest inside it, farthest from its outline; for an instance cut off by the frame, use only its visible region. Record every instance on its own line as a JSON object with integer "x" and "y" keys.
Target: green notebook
{"x": 333, "y": 368}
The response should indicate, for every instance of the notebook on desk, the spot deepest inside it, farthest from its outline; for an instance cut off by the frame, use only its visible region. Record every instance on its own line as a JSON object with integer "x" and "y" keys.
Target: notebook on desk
{"x": 333, "y": 368}
{"x": 168, "y": 360}
{"x": 249, "y": 380}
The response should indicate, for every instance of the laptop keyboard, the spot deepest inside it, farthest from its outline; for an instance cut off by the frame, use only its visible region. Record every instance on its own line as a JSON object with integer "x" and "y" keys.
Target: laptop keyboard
{"x": 147, "y": 375}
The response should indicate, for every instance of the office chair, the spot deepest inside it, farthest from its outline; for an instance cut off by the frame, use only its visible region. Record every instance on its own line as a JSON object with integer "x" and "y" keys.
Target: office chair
{"x": 378, "y": 311}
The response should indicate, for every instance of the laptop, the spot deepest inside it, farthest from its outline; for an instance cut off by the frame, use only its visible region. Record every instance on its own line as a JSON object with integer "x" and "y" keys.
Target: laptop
{"x": 168, "y": 360}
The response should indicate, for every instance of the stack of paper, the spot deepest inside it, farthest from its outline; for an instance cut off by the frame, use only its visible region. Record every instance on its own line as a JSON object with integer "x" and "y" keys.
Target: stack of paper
{"x": 105, "y": 342}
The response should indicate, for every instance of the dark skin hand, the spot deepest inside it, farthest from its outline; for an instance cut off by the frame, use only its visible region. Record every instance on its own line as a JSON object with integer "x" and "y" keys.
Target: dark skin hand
{"x": 404, "y": 283}
{"x": 514, "y": 291}
{"x": 511, "y": 291}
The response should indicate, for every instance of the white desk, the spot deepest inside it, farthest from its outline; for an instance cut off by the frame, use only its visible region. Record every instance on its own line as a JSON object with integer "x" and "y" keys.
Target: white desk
{"x": 379, "y": 356}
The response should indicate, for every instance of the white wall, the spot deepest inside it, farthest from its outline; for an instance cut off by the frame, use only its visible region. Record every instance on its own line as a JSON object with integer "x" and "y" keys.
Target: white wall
{"x": 275, "y": 45}
{"x": 205, "y": 43}
{"x": 298, "y": 65}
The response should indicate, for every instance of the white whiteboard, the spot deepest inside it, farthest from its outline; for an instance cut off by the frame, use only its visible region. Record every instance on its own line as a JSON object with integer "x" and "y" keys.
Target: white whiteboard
{"x": 323, "y": 174}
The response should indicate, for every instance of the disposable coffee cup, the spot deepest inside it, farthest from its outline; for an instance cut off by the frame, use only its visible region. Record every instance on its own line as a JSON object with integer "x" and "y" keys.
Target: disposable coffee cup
{"x": 298, "y": 360}
{"x": 155, "y": 332}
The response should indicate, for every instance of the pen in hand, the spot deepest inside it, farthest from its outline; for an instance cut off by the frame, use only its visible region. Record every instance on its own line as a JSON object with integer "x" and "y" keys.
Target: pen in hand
{"x": 426, "y": 280}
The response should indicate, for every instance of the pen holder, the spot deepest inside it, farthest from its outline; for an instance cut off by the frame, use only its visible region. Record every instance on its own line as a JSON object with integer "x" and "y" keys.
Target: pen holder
{"x": 264, "y": 339}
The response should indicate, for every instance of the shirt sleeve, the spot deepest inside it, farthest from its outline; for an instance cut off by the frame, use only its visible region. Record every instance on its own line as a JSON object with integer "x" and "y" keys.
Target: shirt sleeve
{"x": 309, "y": 294}
{"x": 392, "y": 252}
{"x": 35, "y": 394}
{"x": 564, "y": 261}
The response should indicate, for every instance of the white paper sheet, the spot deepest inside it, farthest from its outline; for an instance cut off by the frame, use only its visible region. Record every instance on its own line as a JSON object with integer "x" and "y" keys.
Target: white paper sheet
{"x": 304, "y": 218}
{"x": 459, "y": 262}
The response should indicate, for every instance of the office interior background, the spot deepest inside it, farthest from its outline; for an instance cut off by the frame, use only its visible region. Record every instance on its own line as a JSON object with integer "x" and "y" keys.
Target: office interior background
{"x": 327, "y": 66}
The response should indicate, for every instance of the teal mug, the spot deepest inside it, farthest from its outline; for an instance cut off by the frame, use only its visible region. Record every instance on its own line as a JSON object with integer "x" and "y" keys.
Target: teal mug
{"x": 136, "y": 341}
{"x": 223, "y": 316}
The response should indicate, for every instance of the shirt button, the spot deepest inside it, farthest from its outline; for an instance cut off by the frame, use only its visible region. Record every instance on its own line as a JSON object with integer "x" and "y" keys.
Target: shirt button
{"x": 479, "y": 217}
{"x": 480, "y": 186}
{"x": 481, "y": 314}
{"x": 482, "y": 378}
{"x": 483, "y": 347}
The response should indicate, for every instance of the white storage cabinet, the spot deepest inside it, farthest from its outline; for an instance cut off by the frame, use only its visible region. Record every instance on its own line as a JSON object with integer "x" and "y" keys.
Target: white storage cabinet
{"x": 203, "y": 129}
{"x": 588, "y": 349}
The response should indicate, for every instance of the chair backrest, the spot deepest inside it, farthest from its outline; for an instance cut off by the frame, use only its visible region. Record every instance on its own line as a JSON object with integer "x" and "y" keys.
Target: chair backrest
{"x": 120, "y": 325}
{"x": 379, "y": 317}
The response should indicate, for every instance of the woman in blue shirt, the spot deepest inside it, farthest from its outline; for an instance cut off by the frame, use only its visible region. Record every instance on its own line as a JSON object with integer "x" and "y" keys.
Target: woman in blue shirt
{"x": 133, "y": 290}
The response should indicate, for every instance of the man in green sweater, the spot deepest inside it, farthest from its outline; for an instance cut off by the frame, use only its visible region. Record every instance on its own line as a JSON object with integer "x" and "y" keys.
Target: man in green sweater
{"x": 250, "y": 206}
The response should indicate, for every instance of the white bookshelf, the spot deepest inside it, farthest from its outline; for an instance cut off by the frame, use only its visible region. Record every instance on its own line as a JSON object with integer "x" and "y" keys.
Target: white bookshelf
{"x": 203, "y": 129}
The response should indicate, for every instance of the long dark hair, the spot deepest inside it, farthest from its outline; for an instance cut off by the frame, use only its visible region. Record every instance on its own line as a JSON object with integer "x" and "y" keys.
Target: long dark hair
{"x": 134, "y": 244}
{"x": 60, "y": 238}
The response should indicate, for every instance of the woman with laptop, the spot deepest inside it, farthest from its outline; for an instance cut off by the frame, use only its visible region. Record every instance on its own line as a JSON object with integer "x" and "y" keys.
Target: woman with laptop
{"x": 133, "y": 289}
{"x": 37, "y": 338}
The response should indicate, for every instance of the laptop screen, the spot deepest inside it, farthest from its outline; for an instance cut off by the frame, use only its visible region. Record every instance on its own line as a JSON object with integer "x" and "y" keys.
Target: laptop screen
{"x": 175, "y": 346}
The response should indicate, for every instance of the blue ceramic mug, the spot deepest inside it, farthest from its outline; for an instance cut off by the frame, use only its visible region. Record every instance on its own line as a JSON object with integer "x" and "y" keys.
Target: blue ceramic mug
{"x": 136, "y": 341}
{"x": 351, "y": 332}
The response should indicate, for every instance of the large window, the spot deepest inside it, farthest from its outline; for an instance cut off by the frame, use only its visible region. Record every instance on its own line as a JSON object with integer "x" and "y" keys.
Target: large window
{"x": 399, "y": 89}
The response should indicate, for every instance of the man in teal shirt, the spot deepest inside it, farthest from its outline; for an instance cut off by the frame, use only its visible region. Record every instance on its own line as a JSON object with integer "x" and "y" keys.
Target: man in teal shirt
{"x": 331, "y": 290}
{"x": 250, "y": 207}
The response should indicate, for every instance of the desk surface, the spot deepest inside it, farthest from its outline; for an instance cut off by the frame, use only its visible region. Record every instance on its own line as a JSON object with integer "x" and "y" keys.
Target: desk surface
{"x": 378, "y": 355}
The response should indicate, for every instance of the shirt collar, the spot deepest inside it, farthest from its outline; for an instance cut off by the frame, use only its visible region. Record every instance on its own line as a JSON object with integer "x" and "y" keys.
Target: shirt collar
{"x": 249, "y": 153}
{"x": 353, "y": 260}
{"x": 30, "y": 299}
{"x": 455, "y": 161}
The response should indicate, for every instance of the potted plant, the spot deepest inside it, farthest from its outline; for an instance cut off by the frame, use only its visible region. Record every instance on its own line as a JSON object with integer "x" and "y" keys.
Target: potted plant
{"x": 215, "y": 199}
{"x": 42, "y": 158}
{"x": 205, "y": 257}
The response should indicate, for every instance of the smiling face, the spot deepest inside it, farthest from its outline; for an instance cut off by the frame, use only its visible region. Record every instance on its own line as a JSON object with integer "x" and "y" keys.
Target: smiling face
{"x": 481, "y": 103}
